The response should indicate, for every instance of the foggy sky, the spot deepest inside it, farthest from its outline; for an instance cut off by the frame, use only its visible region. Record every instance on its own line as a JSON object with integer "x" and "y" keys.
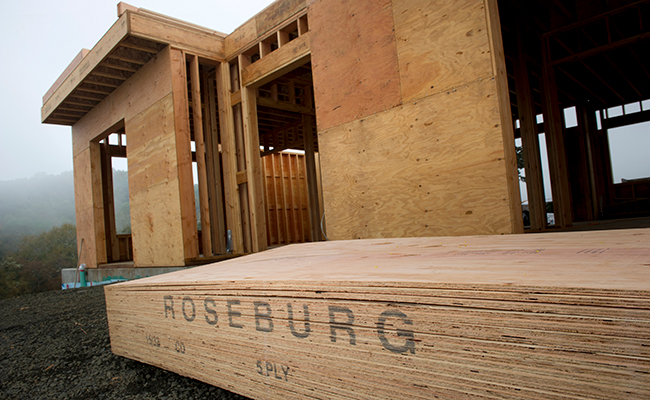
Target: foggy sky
{"x": 39, "y": 40}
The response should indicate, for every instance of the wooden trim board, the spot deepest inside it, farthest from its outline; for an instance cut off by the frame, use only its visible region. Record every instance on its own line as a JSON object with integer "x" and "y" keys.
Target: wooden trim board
{"x": 554, "y": 316}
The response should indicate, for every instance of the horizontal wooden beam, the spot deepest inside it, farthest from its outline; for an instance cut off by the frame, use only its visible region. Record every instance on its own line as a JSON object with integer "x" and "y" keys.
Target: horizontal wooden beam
{"x": 601, "y": 49}
{"x": 235, "y": 98}
{"x": 242, "y": 177}
{"x": 284, "y": 105}
{"x": 292, "y": 55}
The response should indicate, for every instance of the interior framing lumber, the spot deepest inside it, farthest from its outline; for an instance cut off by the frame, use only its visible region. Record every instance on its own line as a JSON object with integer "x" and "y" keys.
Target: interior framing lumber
{"x": 184, "y": 154}
{"x": 197, "y": 115}
{"x": 230, "y": 169}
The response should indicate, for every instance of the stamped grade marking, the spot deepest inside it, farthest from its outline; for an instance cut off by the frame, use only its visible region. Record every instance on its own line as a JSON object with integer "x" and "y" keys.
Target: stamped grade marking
{"x": 267, "y": 368}
{"x": 152, "y": 340}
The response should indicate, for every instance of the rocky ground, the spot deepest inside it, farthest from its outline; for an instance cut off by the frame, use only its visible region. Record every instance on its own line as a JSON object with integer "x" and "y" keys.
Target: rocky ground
{"x": 55, "y": 345}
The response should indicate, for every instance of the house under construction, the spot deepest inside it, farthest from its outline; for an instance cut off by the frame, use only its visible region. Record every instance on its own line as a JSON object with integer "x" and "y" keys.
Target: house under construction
{"x": 345, "y": 119}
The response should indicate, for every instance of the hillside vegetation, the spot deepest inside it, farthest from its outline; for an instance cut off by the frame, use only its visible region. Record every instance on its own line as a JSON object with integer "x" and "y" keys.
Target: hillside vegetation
{"x": 37, "y": 230}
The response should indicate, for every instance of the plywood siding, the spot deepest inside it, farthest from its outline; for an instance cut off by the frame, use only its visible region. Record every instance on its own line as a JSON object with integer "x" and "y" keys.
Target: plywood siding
{"x": 153, "y": 186}
{"x": 431, "y": 167}
{"x": 240, "y": 37}
{"x": 277, "y": 13}
{"x": 150, "y": 84}
{"x": 262, "y": 23}
{"x": 83, "y": 196}
{"x": 354, "y": 60}
{"x": 441, "y": 45}
{"x": 141, "y": 92}
{"x": 287, "y": 201}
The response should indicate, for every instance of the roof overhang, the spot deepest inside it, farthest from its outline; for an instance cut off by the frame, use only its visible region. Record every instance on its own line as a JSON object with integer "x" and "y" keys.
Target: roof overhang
{"x": 136, "y": 37}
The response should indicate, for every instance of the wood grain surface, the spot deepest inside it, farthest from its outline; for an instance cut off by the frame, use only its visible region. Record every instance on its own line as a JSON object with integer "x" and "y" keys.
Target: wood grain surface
{"x": 536, "y": 316}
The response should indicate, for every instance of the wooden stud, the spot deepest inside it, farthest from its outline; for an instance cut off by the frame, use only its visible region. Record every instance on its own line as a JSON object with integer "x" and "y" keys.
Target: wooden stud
{"x": 197, "y": 114}
{"x": 101, "y": 253}
{"x": 229, "y": 157}
{"x": 529, "y": 138}
{"x": 110, "y": 231}
{"x": 242, "y": 177}
{"x": 312, "y": 183}
{"x": 214, "y": 167}
{"x": 553, "y": 119}
{"x": 302, "y": 25}
{"x": 283, "y": 38}
{"x": 253, "y": 163}
{"x": 184, "y": 154}
{"x": 501, "y": 77}
{"x": 265, "y": 49}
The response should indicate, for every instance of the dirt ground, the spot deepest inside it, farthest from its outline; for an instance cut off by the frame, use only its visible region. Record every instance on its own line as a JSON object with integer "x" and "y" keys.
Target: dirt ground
{"x": 55, "y": 345}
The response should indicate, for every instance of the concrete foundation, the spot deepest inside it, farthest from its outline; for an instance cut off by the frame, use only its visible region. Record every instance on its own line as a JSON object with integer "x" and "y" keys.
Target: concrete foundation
{"x": 102, "y": 276}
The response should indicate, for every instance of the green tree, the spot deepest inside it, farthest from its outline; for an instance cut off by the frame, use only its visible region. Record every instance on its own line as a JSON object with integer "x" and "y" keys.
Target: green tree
{"x": 36, "y": 266}
{"x": 11, "y": 279}
{"x": 520, "y": 162}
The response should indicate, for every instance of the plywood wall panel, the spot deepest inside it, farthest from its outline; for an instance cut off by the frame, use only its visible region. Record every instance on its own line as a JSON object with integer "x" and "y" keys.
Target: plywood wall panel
{"x": 153, "y": 186}
{"x": 431, "y": 167}
{"x": 276, "y": 13}
{"x": 441, "y": 45}
{"x": 354, "y": 60}
{"x": 152, "y": 156}
{"x": 156, "y": 226}
{"x": 150, "y": 84}
{"x": 241, "y": 37}
{"x": 84, "y": 208}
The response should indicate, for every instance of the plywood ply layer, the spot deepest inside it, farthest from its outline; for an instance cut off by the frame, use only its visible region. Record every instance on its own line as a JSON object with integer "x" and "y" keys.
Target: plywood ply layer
{"x": 551, "y": 316}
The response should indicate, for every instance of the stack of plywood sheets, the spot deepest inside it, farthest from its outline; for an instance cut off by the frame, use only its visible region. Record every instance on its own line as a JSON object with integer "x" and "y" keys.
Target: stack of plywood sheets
{"x": 536, "y": 316}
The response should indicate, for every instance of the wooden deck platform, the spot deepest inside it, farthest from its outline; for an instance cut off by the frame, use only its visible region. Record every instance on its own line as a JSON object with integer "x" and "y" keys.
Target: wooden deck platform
{"x": 535, "y": 316}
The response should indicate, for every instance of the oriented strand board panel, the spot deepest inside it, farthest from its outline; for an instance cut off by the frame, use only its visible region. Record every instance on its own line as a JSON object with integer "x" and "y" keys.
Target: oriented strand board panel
{"x": 441, "y": 45}
{"x": 546, "y": 316}
{"x": 154, "y": 196}
{"x": 434, "y": 167}
{"x": 354, "y": 60}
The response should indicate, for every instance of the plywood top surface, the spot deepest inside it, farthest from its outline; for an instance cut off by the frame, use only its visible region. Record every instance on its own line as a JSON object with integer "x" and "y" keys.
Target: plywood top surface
{"x": 616, "y": 260}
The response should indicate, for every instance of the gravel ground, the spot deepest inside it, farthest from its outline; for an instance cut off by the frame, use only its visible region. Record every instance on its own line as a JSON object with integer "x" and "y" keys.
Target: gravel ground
{"x": 55, "y": 345}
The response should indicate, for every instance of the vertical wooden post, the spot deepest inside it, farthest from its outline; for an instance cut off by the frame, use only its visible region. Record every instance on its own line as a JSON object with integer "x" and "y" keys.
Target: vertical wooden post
{"x": 553, "y": 118}
{"x": 529, "y": 138}
{"x": 197, "y": 116}
{"x": 312, "y": 182}
{"x": 228, "y": 144}
{"x": 110, "y": 230}
{"x": 253, "y": 163}
{"x": 184, "y": 154}
{"x": 98, "y": 203}
{"x": 587, "y": 125}
{"x": 507, "y": 130}
{"x": 213, "y": 160}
